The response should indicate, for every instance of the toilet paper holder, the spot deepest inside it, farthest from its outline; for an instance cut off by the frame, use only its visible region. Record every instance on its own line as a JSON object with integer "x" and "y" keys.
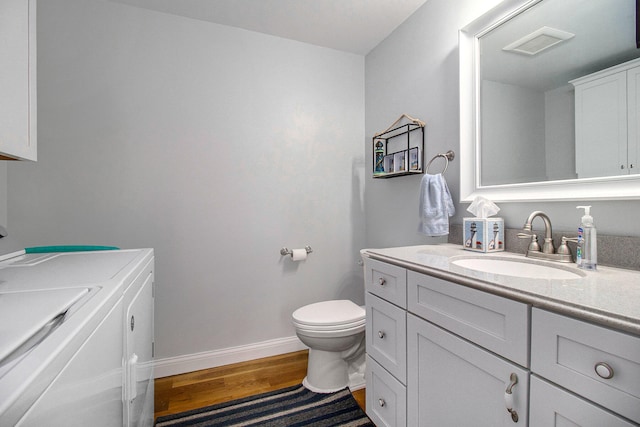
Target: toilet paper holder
{"x": 286, "y": 251}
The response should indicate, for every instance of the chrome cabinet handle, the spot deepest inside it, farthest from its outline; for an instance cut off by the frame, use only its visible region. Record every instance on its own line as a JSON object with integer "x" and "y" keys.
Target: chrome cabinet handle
{"x": 508, "y": 397}
{"x": 381, "y": 334}
{"x": 604, "y": 370}
{"x": 381, "y": 402}
{"x": 382, "y": 281}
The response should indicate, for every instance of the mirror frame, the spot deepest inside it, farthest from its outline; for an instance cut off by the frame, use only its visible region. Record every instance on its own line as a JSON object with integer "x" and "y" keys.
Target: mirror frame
{"x": 602, "y": 188}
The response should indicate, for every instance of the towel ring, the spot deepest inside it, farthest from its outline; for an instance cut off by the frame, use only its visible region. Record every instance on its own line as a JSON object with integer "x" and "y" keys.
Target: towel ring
{"x": 448, "y": 156}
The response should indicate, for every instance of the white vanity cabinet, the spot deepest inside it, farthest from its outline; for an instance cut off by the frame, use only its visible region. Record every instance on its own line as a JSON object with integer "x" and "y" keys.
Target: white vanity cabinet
{"x": 386, "y": 366}
{"x": 437, "y": 352}
{"x": 607, "y": 113}
{"x": 464, "y": 351}
{"x": 18, "y": 79}
{"x": 594, "y": 363}
{"x": 474, "y": 349}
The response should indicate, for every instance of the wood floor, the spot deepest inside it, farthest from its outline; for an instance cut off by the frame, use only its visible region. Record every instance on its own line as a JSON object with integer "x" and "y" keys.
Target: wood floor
{"x": 210, "y": 386}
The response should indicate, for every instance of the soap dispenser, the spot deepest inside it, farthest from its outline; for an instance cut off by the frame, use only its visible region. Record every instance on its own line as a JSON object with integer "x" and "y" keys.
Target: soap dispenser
{"x": 587, "y": 252}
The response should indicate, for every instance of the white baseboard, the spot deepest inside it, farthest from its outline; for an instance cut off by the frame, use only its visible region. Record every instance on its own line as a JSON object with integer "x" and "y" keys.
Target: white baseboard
{"x": 211, "y": 359}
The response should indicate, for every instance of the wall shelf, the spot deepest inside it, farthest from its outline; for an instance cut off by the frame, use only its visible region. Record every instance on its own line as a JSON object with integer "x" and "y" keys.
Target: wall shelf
{"x": 399, "y": 151}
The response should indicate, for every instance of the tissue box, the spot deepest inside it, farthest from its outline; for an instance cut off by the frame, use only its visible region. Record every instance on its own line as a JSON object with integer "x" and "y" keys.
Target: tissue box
{"x": 483, "y": 234}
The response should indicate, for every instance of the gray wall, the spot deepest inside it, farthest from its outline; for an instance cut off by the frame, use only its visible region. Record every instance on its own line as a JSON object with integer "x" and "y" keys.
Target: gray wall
{"x": 560, "y": 153}
{"x": 513, "y": 121}
{"x": 215, "y": 146}
{"x": 415, "y": 71}
{"x": 531, "y": 134}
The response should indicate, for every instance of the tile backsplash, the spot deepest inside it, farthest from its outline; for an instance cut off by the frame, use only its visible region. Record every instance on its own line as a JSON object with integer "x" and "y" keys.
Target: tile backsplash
{"x": 613, "y": 251}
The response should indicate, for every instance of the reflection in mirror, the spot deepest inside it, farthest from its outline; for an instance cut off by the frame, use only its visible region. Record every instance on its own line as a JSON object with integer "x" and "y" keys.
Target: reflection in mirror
{"x": 527, "y": 122}
{"x": 544, "y": 99}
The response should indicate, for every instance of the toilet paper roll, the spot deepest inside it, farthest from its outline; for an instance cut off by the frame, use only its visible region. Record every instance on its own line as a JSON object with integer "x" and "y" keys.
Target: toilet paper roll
{"x": 299, "y": 254}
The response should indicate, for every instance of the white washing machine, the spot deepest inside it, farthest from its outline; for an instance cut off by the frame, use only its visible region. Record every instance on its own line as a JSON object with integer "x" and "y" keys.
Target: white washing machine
{"x": 76, "y": 339}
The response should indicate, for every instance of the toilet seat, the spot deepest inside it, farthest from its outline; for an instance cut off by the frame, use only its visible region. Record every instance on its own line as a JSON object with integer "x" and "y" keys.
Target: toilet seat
{"x": 338, "y": 315}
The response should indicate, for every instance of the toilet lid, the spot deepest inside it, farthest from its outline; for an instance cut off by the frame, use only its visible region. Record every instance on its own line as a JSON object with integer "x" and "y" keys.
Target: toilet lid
{"x": 325, "y": 313}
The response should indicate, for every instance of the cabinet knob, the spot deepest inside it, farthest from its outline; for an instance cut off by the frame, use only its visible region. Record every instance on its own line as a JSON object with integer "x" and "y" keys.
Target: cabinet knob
{"x": 604, "y": 370}
{"x": 381, "y": 402}
{"x": 381, "y": 334}
{"x": 382, "y": 281}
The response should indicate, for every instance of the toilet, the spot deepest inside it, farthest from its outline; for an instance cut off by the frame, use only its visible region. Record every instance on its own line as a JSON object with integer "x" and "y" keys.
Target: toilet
{"x": 334, "y": 333}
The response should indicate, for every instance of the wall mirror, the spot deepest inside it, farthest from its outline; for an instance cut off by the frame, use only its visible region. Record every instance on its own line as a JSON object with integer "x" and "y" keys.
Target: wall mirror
{"x": 550, "y": 101}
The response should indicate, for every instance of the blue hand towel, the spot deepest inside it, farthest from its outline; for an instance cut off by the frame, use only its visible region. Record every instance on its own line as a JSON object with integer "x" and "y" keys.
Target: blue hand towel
{"x": 436, "y": 206}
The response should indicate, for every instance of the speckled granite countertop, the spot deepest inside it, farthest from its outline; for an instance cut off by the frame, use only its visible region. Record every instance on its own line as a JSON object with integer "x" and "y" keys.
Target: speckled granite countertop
{"x": 609, "y": 296}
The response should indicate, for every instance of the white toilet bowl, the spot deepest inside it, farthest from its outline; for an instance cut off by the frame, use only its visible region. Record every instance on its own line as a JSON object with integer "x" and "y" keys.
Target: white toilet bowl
{"x": 334, "y": 333}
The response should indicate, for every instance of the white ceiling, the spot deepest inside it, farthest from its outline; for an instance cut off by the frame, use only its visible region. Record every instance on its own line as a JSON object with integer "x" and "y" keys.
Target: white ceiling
{"x": 355, "y": 26}
{"x": 605, "y": 35}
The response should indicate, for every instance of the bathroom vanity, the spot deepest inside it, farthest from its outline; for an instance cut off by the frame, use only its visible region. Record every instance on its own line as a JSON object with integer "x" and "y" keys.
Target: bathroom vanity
{"x": 457, "y": 338}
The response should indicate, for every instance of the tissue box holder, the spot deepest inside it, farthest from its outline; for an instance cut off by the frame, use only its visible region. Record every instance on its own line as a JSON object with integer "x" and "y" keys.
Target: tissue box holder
{"x": 483, "y": 234}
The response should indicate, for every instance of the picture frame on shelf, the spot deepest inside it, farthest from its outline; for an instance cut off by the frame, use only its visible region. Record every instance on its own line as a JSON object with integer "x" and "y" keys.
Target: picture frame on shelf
{"x": 400, "y": 161}
{"x": 388, "y": 163}
{"x": 415, "y": 159}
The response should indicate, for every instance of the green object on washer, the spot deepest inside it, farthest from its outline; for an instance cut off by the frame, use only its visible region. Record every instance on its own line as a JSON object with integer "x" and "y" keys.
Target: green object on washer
{"x": 67, "y": 248}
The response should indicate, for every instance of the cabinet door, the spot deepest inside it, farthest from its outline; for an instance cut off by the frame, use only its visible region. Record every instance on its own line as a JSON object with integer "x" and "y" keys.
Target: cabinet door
{"x": 601, "y": 126}
{"x": 554, "y": 407}
{"x": 633, "y": 103}
{"x": 451, "y": 382}
{"x": 138, "y": 381}
{"x": 18, "y": 79}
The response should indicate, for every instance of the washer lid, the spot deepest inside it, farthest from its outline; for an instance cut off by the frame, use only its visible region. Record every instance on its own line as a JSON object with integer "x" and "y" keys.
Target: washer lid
{"x": 338, "y": 312}
{"x": 24, "y": 314}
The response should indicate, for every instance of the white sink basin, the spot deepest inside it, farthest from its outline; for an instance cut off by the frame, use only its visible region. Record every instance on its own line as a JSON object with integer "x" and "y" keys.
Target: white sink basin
{"x": 517, "y": 268}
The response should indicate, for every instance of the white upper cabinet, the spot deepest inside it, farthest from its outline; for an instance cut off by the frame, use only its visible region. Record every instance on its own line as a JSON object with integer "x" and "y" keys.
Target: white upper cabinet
{"x": 18, "y": 79}
{"x": 607, "y": 113}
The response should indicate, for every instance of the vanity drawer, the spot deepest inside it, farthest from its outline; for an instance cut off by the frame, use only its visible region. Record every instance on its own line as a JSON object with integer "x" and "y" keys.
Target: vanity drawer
{"x": 495, "y": 323}
{"x": 386, "y": 336}
{"x": 387, "y": 281}
{"x": 567, "y": 352}
{"x": 386, "y": 397}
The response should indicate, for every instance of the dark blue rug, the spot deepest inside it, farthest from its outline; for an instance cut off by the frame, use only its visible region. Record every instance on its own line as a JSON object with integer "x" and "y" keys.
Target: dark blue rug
{"x": 292, "y": 406}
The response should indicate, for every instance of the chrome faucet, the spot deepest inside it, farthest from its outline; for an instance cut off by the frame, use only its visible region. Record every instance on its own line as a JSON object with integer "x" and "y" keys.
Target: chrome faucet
{"x": 548, "y": 251}
{"x": 547, "y": 247}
